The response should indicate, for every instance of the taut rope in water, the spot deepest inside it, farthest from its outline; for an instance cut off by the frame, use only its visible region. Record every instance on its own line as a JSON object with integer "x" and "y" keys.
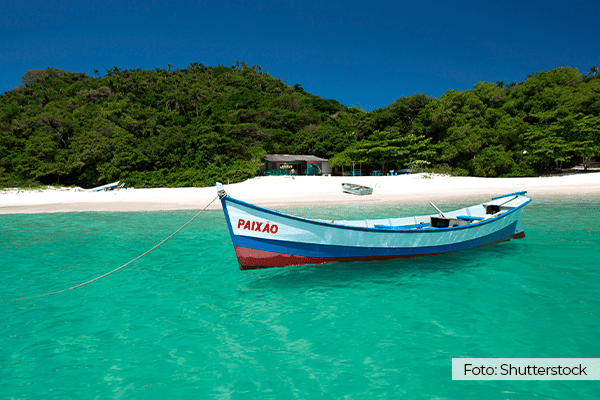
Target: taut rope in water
{"x": 124, "y": 265}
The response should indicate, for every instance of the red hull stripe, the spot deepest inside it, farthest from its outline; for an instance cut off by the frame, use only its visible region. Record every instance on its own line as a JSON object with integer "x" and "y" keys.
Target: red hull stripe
{"x": 257, "y": 259}
{"x": 519, "y": 235}
{"x": 254, "y": 259}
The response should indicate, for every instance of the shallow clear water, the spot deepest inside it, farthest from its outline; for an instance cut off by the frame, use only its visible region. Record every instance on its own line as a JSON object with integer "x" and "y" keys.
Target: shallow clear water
{"x": 184, "y": 321}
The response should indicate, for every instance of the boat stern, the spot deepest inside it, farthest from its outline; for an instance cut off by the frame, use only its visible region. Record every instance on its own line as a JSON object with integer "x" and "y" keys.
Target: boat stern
{"x": 519, "y": 231}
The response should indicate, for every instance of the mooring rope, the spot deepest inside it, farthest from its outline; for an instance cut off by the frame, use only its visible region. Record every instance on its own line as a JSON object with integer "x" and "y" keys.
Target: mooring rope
{"x": 124, "y": 265}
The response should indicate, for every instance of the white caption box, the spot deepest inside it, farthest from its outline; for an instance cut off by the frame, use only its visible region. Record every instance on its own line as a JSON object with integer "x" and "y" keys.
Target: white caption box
{"x": 526, "y": 369}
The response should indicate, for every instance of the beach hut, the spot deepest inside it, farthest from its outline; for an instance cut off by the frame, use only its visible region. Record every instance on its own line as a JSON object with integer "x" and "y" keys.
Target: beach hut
{"x": 282, "y": 164}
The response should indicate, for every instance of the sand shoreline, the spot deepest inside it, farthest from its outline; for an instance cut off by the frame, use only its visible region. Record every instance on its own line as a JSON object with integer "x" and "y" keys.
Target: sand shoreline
{"x": 284, "y": 192}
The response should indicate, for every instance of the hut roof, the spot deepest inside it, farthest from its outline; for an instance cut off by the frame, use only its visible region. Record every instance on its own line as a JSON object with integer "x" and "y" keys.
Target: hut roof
{"x": 292, "y": 158}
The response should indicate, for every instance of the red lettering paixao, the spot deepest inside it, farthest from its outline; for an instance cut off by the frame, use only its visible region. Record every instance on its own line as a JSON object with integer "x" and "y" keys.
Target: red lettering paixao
{"x": 264, "y": 227}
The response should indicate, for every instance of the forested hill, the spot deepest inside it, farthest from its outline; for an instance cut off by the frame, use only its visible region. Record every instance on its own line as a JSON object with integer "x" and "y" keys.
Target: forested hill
{"x": 194, "y": 126}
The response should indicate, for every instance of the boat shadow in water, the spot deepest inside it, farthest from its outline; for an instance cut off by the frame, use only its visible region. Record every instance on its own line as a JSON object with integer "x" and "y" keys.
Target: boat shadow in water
{"x": 398, "y": 271}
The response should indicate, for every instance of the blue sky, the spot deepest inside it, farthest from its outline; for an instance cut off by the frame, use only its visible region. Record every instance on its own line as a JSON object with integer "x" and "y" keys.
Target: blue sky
{"x": 360, "y": 53}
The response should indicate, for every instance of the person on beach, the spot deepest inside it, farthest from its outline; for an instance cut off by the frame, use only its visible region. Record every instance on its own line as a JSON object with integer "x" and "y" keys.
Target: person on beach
{"x": 293, "y": 172}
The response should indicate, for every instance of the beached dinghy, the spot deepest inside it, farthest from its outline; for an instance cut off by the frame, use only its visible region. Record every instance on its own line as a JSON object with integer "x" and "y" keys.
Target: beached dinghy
{"x": 110, "y": 186}
{"x": 265, "y": 238}
{"x": 356, "y": 189}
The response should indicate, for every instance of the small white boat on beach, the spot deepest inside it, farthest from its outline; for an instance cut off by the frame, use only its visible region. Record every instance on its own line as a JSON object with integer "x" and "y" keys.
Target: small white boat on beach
{"x": 353, "y": 188}
{"x": 109, "y": 186}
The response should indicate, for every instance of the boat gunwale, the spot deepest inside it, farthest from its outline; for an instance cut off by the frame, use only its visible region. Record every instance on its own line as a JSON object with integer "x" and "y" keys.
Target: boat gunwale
{"x": 383, "y": 230}
{"x": 510, "y": 194}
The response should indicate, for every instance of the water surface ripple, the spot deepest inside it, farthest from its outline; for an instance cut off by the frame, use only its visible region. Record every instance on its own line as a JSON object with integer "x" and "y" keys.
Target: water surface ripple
{"x": 184, "y": 322}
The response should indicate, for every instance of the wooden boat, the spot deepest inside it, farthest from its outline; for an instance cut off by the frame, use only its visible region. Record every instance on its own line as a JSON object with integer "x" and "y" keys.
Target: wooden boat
{"x": 356, "y": 189}
{"x": 109, "y": 186}
{"x": 264, "y": 238}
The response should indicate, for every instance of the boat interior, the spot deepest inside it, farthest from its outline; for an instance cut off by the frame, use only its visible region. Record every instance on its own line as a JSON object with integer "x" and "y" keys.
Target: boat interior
{"x": 464, "y": 216}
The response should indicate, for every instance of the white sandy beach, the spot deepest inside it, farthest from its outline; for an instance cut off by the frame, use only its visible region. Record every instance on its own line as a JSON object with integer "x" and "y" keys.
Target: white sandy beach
{"x": 284, "y": 192}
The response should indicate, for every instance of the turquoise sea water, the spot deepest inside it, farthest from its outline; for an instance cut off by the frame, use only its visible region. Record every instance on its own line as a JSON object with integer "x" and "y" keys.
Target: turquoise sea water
{"x": 184, "y": 322}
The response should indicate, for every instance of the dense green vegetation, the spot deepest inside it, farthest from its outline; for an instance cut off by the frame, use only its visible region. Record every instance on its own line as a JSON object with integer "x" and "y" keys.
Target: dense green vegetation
{"x": 194, "y": 126}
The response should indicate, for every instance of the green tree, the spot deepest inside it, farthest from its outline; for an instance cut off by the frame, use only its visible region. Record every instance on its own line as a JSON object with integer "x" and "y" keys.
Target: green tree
{"x": 386, "y": 147}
